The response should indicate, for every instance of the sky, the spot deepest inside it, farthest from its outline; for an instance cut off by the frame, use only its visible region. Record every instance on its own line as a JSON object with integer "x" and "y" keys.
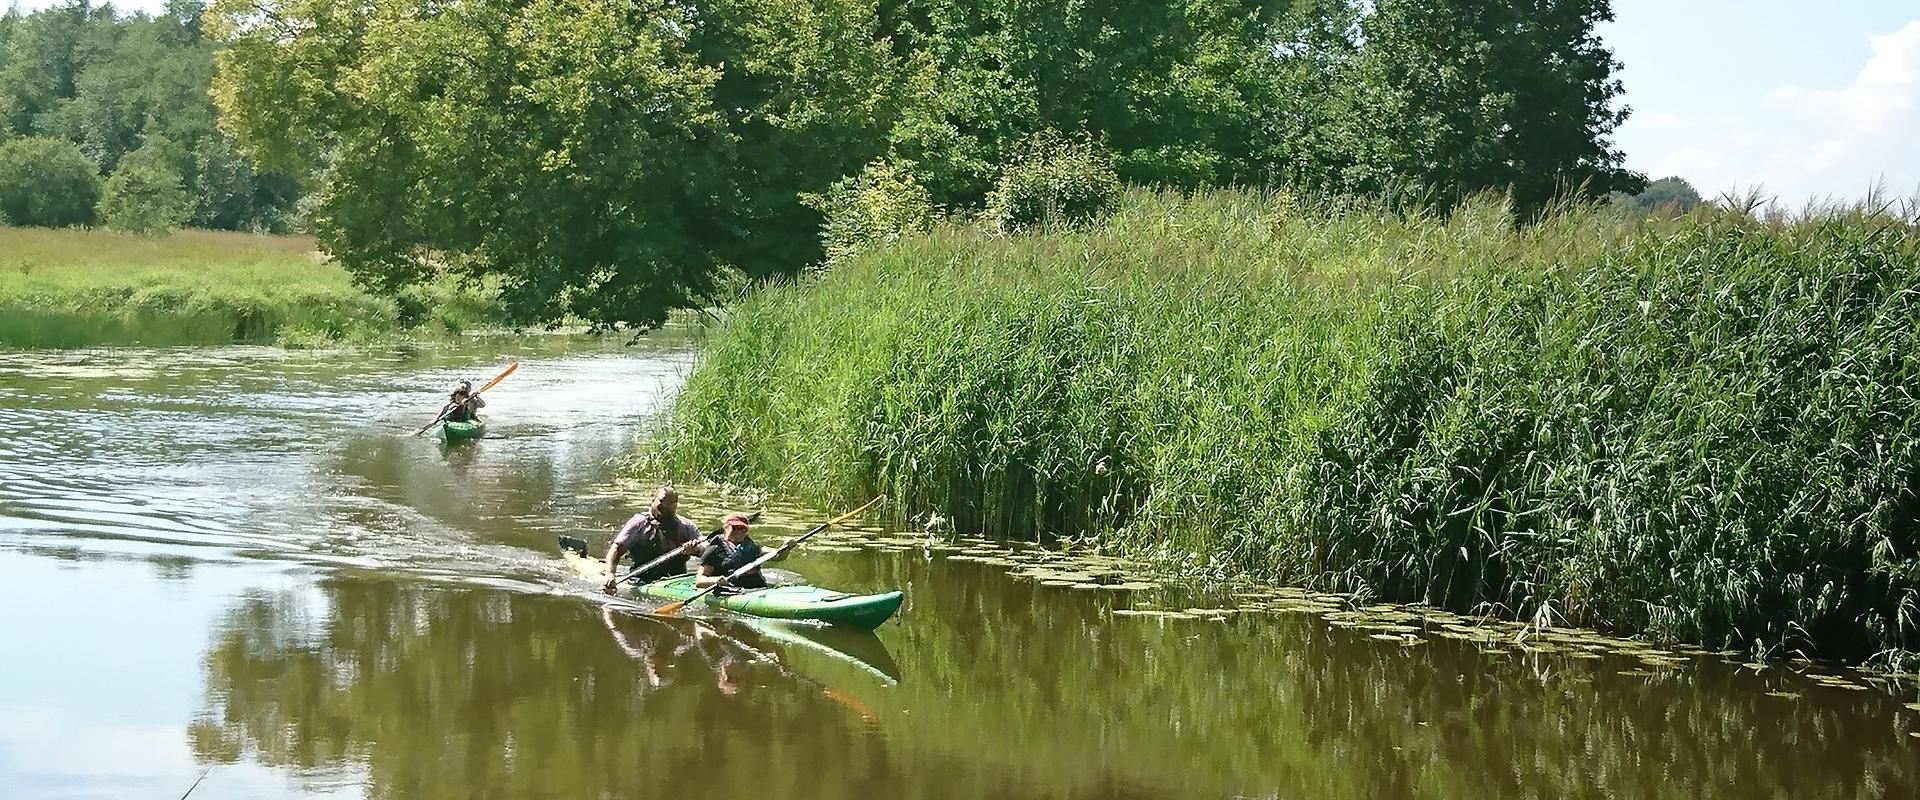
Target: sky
{"x": 1800, "y": 101}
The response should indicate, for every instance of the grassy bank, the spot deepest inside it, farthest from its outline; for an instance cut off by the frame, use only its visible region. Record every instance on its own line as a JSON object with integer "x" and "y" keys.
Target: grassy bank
{"x": 1701, "y": 429}
{"x": 76, "y": 288}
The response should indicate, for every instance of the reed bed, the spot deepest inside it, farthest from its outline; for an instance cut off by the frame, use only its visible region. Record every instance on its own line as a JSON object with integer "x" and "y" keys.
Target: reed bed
{"x": 1699, "y": 429}
{"x": 78, "y": 288}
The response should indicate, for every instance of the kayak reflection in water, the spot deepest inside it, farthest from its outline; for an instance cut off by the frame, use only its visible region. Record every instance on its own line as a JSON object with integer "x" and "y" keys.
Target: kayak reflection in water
{"x": 734, "y": 550}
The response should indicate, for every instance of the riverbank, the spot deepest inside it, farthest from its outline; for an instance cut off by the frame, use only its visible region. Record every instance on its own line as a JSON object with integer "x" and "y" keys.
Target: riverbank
{"x": 1695, "y": 429}
{"x": 79, "y": 288}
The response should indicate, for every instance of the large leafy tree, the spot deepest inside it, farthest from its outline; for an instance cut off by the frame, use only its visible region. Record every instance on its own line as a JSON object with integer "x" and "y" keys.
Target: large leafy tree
{"x": 605, "y": 161}
{"x": 1180, "y": 92}
{"x": 1459, "y": 95}
{"x": 614, "y": 161}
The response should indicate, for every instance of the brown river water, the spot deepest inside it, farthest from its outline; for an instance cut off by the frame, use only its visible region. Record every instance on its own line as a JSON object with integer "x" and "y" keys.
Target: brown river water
{"x": 232, "y": 572}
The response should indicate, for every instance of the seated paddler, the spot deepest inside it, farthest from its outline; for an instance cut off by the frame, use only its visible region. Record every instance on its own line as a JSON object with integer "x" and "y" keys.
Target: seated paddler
{"x": 734, "y": 550}
{"x": 648, "y": 536}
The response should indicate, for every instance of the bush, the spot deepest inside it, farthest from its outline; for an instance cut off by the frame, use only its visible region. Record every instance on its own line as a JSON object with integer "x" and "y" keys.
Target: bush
{"x": 146, "y": 196}
{"x": 1058, "y": 180}
{"x": 47, "y": 182}
{"x": 876, "y": 206}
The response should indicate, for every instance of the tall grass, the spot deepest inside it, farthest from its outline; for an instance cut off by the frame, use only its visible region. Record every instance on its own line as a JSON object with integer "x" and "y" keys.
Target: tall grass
{"x": 74, "y": 288}
{"x": 1700, "y": 428}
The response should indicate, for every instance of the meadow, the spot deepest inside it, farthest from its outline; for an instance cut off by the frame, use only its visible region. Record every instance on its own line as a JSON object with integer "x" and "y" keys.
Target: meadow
{"x": 78, "y": 288}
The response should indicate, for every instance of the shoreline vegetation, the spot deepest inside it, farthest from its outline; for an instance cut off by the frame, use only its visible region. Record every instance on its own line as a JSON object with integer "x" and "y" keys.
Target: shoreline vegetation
{"x": 1695, "y": 427}
{"x": 65, "y": 288}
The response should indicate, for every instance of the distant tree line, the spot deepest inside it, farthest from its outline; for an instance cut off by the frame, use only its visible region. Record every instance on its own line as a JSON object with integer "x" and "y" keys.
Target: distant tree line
{"x": 107, "y": 119}
{"x": 612, "y": 161}
{"x": 1669, "y": 195}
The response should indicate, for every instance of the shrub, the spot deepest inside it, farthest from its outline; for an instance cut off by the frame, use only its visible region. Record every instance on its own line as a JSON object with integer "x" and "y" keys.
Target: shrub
{"x": 1059, "y": 180}
{"x": 47, "y": 182}
{"x": 145, "y": 196}
{"x": 877, "y": 205}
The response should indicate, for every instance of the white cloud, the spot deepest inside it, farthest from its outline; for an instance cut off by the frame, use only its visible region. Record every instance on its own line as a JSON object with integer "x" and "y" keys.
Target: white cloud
{"x": 1816, "y": 142}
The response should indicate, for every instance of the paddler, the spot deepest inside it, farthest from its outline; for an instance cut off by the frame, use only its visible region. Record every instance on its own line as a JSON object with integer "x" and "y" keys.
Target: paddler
{"x": 735, "y": 549}
{"x": 650, "y": 535}
{"x": 463, "y": 405}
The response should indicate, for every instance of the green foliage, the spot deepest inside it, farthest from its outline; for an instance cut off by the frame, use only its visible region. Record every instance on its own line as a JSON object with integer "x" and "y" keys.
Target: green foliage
{"x": 1696, "y": 427}
{"x": 144, "y": 195}
{"x": 83, "y": 288}
{"x": 46, "y": 182}
{"x": 107, "y": 83}
{"x": 616, "y": 171}
{"x": 1458, "y": 96}
{"x": 1057, "y": 180}
{"x": 1671, "y": 195}
{"x": 874, "y": 207}
{"x": 600, "y": 162}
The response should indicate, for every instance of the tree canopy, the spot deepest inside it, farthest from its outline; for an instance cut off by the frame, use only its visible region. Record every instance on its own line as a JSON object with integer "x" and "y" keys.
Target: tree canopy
{"x": 612, "y": 162}
{"x": 110, "y": 84}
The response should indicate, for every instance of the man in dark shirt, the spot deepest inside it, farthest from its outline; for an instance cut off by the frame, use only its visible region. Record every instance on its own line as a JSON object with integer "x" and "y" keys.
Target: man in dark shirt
{"x": 734, "y": 550}
{"x": 651, "y": 535}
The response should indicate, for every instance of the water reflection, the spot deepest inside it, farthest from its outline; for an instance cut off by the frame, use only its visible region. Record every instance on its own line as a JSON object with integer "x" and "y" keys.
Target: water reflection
{"x": 450, "y": 692}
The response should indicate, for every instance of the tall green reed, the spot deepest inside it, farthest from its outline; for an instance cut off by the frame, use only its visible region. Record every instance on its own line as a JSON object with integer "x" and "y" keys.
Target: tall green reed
{"x": 1700, "y": 428}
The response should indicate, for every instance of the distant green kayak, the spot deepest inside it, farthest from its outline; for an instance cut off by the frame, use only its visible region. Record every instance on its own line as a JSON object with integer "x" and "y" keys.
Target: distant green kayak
{"x": 863, "y": 611}
{"x": 458, "y": 431}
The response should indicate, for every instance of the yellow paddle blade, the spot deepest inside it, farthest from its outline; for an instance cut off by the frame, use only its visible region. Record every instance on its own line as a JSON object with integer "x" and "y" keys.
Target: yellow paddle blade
{"x": 672, "y": 608}
{"x": 500, "y": 377}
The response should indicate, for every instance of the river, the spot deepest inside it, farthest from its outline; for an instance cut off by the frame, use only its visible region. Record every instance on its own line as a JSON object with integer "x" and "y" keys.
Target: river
{"x": 234, "y": 572}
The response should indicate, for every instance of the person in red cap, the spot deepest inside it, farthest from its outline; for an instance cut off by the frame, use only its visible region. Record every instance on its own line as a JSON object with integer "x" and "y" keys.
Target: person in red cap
{"x": 734, "y": 550}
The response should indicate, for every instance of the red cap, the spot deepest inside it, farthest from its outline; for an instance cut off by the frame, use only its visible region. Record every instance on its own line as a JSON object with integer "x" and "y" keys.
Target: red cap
{"x": 736, "y": 520}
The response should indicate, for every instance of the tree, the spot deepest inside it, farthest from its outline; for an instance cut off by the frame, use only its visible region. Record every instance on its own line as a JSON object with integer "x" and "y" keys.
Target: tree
{"x": 46, "y": 182}
{"x": 144, "y": 195}
{"x": 1459, "y": 96}
{"x": 600, "y": 161}
{"x": 611, "y": 162}
{"x": 1671, "y": 194}
{"x": 107, "y": 83}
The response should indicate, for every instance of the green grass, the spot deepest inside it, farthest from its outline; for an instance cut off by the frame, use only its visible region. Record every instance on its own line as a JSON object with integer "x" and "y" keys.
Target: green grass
{"x": 1700, "y": 428}
{"x": 76, "y": 288}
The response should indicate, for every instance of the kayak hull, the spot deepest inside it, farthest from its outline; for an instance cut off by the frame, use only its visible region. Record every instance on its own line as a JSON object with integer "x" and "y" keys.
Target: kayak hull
{"x": 462, "y": 431}
{"x": 863, "y": 611}
{"x": 798, "y": 602}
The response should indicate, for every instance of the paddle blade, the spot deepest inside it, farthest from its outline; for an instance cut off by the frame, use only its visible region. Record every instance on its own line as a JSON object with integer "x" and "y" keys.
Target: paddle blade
{"x": 500, "y": 377}
{"x": 671, "y": 609}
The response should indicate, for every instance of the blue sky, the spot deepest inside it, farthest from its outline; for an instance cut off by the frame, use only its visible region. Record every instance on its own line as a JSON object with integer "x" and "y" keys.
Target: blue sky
{"x": 1801, "y": 100}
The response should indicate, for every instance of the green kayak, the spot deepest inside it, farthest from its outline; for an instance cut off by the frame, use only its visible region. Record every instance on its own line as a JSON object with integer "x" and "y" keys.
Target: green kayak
{"x": 812, "y": 603}
{"x": 460, "y": 431}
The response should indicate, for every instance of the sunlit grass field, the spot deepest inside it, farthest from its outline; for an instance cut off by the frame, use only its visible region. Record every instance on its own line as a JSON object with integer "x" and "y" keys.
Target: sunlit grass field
{"x": 73, "y": 288}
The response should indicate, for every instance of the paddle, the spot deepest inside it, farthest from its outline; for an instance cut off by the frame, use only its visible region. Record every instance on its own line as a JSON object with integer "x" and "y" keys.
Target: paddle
{"x": 672, "y": 608}
{"x": 449, "y": 409}
{"x": 675, "y": 552}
